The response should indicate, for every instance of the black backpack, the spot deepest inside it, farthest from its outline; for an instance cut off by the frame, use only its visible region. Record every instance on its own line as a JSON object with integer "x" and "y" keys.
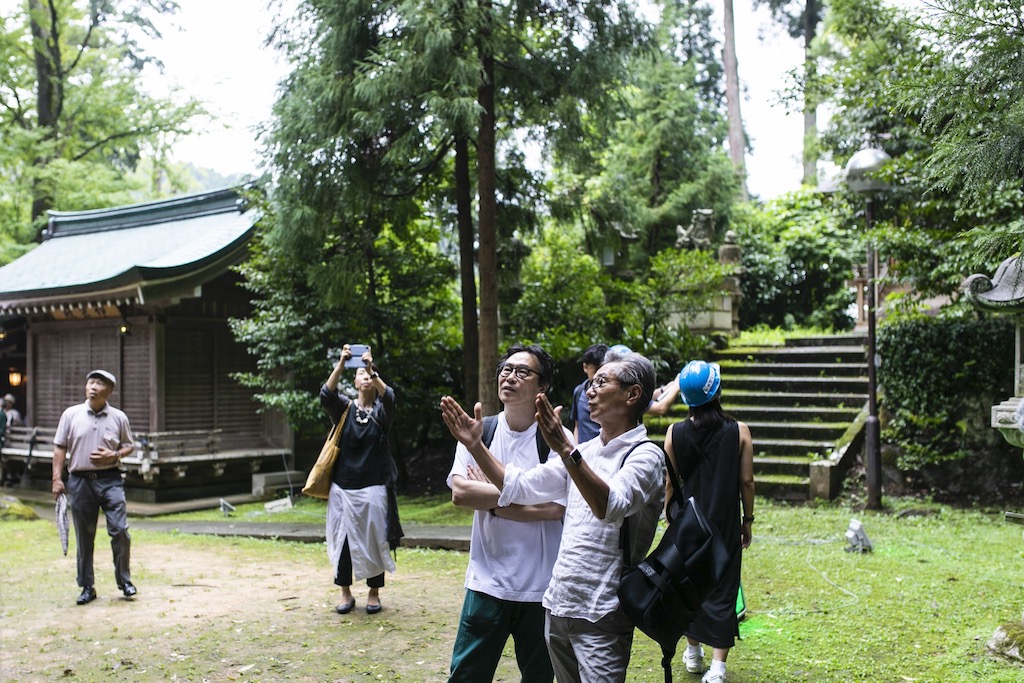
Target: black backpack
{"x": 663, "y": 594}
{"x": 491, "y": 425}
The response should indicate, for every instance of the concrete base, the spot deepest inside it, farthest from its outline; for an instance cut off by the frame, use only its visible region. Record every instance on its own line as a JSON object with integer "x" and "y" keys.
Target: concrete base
{"x": 266, "y": 483}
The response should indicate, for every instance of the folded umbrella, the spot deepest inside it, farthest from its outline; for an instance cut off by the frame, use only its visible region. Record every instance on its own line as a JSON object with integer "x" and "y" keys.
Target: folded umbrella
{"x": 61, "y": 510}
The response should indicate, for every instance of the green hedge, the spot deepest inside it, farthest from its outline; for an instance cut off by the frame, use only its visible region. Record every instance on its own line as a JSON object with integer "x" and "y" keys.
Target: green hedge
{"x": 939, "y": 378}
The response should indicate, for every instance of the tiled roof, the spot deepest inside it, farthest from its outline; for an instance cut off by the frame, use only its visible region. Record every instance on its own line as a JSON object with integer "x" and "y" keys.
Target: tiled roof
{"x": 117, "y": 254}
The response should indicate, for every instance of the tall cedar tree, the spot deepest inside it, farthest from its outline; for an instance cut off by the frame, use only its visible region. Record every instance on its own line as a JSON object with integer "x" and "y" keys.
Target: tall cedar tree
{"x": 385, "y": 97}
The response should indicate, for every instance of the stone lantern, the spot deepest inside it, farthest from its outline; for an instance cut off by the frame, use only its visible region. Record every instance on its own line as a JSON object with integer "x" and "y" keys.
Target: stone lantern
{"x": 1004, "y": 293}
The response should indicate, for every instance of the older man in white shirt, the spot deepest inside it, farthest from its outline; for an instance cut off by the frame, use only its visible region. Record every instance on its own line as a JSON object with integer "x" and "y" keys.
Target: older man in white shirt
{"x": 615, "y": 478}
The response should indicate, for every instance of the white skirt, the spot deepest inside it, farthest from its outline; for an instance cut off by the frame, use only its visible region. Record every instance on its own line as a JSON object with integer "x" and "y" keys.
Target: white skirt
{"x": 361, "y": 517}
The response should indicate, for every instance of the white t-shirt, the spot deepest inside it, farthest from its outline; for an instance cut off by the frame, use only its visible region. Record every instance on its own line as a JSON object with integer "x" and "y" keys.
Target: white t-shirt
{"x": 13, "y": 417}
{"x": 509, "y": 560}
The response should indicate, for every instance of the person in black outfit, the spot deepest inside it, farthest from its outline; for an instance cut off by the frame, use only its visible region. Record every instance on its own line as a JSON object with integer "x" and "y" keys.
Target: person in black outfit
{"x": 714, "y": 456}
{"x": 358, "y": 507}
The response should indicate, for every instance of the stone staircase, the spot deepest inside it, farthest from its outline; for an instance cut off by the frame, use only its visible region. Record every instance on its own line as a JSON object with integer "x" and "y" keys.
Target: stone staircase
{"x": 802, "y": 402}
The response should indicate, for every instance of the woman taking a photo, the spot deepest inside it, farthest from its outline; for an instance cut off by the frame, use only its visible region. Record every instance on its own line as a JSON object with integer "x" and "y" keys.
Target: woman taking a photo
{"x": 357, "y": 509}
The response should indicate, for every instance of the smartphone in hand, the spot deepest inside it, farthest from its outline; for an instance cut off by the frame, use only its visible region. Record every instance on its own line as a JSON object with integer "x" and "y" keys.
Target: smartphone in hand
{"x": 356, "y": 361}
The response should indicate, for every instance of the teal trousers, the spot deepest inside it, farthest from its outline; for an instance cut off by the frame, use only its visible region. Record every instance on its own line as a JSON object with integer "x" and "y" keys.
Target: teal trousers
{"x": 484, "y": 628}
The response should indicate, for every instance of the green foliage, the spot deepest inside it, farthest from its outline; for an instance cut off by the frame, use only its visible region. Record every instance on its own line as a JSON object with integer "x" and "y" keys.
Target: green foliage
{"x": 563, "y": 305}
{"x": 394, "y": 294}
{"x": 798, "y": 254}
{"x": 793, "y": 15}
{"x": 12, "y": 509}
{"x": 77, "y": 148}
{"x": 383, "y": 98}
{"x": 569, "y": 303}
{"x": 763, "y": 335}
{"x": 924, "y": 87}
{"x": 654, "y": 312}
{"x": 969, "y": 94}
{"x": 939, "y": 378}
{"x": 662, "y": 158}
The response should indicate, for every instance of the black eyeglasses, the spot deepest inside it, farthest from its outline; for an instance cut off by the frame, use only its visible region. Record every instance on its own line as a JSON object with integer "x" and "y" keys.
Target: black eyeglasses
{"x": 522, "y": 371}
{"x": 601, "y": 380}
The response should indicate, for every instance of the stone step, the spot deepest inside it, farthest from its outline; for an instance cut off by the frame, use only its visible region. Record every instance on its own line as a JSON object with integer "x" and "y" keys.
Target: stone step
{"x": 783, "y": 354}
{"x": 832, "y": 340}
{"x": 789, "y": 384}
{"x": 764, "y": 413}
{"x": 787, "y": 415}
{"x": 798, "y": 399}
{"x": 805, "y": 431}
{"x": 755, "y": 368}
{"x": 792, "y": 465}
{"x": 733, "y": 401}
{"x": 808, "y": 448}
{"x": 782, "y": 487}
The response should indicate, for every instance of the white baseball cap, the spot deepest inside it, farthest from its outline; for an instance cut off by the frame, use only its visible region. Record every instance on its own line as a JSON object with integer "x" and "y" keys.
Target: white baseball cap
{"x": 105, "y": 375}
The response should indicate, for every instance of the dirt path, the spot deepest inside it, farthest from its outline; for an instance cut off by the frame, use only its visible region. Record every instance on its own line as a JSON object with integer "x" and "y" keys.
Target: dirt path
{"x": 225, "y": 610}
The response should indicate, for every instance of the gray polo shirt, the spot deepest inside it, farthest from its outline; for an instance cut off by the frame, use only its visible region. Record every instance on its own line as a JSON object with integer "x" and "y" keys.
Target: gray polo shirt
{"x": 82, "y": 431}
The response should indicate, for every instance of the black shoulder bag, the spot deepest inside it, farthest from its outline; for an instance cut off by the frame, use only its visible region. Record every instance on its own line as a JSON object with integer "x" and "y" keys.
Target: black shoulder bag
{"x": 663, "y": 594}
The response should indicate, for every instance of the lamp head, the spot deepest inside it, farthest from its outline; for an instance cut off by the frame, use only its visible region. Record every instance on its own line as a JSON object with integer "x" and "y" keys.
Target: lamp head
{"x": 862, "y": 167}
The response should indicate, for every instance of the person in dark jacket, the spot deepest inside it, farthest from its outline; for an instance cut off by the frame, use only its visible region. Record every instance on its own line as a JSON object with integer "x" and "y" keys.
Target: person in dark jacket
{"x": 583, "y": 428}
{"x": 714, "y": 456}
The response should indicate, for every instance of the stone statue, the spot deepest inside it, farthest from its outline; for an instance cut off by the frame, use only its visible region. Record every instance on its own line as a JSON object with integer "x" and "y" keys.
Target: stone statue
{"x": 700, "y": 233}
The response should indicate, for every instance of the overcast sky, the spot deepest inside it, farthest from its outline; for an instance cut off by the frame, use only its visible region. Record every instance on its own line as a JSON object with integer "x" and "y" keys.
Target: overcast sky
{"x": 220, "y": 58}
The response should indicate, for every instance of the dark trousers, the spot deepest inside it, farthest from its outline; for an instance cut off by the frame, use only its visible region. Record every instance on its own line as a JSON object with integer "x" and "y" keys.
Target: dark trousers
{"x": 89, "y": 494}
{"x": 344, "y": 577}
{"x": 484, "y": 628}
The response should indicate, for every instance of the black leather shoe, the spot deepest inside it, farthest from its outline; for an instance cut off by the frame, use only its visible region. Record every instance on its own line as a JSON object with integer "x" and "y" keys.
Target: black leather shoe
{"x": 373, "y": 609}
{"x": 129, "y": 589}
{"x": 347, "y": 607}
{"x": 87, "y": 596}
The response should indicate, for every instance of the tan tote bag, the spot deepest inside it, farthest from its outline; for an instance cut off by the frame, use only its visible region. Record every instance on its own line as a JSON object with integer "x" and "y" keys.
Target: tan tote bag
{"x": 318, "y": 483}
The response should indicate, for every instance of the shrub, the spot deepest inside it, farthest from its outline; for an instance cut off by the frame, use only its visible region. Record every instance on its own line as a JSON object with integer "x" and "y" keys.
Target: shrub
{"x": 940, "y": 378}
{"x": 797, "y": 257}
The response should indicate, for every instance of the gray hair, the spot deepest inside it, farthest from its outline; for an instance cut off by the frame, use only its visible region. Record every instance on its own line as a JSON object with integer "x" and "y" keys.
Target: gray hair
{"x": 634, "y": 368}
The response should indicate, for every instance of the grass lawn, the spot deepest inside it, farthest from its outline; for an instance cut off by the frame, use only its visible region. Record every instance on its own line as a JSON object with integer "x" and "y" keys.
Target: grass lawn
{"x": 920, "y": 607}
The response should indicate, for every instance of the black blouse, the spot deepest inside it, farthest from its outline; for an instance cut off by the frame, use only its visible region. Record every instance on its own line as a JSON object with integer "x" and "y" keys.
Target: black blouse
{"x": 363, "y": 451}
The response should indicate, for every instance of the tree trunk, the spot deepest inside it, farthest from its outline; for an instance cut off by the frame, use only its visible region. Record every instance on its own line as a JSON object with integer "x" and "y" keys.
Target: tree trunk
{"x": 810, "y": 153}
{"x": 488, "y": 254}
{"x": 467, "y": 270}
{"x": 737, "y": 141}
{"x": 47, "y": 60}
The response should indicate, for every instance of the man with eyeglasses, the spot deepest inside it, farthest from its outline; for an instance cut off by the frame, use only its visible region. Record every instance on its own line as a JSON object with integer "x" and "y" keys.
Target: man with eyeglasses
{"x": 610, "y": 480}
{"x": 512, "y": 547}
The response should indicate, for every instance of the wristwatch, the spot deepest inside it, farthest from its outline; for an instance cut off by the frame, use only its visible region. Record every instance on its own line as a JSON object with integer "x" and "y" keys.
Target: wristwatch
{"x": 375, "y": 375}
{"x": 574, "y": 457}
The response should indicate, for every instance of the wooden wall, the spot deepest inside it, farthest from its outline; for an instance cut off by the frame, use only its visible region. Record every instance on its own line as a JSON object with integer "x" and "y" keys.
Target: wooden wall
{"x": 174, "y": 369}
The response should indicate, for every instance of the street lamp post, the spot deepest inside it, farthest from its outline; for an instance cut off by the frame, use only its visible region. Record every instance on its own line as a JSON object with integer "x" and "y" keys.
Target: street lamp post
{"x": 860, "y": 178}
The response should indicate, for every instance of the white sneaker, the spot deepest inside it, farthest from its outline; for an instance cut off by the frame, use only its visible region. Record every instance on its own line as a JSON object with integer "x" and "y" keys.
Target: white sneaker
{"x": 713, "y": 678}
{"x": 695, "y": 662}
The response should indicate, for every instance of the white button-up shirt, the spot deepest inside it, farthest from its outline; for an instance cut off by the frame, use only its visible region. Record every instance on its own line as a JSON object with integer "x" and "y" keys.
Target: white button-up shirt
{"x": 589, "y": 564}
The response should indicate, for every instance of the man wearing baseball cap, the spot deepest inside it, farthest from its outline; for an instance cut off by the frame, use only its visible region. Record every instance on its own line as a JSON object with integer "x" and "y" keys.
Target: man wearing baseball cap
{"x": 91, "y": 438}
